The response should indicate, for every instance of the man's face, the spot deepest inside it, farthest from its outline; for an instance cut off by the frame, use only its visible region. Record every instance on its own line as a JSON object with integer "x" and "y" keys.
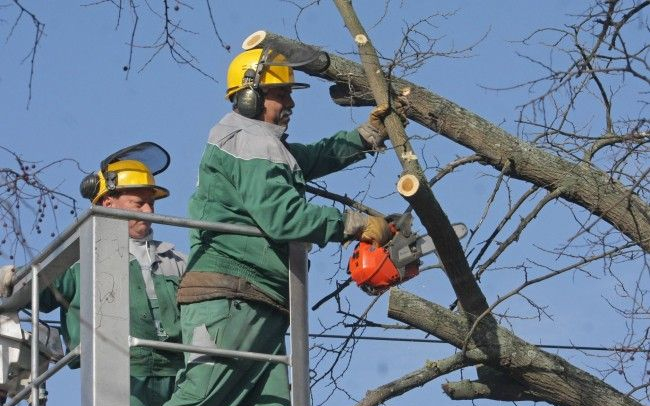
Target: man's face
{"x": 141, "y": 200}
{"x": 278, "y": 105}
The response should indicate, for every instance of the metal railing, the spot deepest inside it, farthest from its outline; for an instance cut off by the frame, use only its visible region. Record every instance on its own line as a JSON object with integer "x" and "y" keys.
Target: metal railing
{"x": 98, "y": 240}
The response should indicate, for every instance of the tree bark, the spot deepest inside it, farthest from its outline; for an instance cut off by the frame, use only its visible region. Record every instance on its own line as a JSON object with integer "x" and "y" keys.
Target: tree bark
{"x": 544, "y": 375}
{"x": 491, "y": 384}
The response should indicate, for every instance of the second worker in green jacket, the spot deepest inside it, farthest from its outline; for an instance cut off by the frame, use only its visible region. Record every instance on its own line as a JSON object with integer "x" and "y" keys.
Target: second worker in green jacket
{"x": 155, "y": 270}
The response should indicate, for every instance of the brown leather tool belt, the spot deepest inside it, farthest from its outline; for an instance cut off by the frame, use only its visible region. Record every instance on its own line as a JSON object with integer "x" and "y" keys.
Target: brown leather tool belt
{"x": 199, "y": 286}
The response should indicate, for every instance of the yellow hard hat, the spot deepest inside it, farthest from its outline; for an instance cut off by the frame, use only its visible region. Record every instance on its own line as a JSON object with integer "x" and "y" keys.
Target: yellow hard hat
{"x": 244, "y": 71}
{"x": 120, "y": 175}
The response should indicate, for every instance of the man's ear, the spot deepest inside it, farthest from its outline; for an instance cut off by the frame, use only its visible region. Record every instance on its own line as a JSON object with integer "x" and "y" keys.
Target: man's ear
{"x": 107, "y": 201}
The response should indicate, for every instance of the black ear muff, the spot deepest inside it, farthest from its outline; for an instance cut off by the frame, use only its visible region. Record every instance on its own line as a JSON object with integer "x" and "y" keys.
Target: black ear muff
{"x": 89, "y": 186}
{"x": 249, "y": 102}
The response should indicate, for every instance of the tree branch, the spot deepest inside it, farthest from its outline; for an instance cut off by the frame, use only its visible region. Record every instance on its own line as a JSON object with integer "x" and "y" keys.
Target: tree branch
{"x": 545, "y": 375}
{"x": 430, "y": 371}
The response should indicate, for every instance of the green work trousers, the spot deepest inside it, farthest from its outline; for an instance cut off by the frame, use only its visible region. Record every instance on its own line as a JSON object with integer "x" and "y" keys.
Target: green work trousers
{"x": 151, "y": 390}
{"x": 232, "y": 324}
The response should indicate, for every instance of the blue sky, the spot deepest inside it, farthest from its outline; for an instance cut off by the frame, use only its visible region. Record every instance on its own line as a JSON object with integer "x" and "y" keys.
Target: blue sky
{"x": 83, "y": 107}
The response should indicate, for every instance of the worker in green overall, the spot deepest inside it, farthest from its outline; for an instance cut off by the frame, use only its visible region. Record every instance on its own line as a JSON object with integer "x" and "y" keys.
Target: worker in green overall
{"x": 155, "y": 269}
{"x": 235, "y": 293}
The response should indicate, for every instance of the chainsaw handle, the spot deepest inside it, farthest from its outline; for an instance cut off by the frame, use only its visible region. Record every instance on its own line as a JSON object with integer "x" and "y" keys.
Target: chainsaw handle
{"x": 400, "y": 223}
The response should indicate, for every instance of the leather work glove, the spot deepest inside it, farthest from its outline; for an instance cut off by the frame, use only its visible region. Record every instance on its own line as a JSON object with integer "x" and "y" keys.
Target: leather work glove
{"x": 6, "y": 280}
{"x": 374, "y": 131}
{"x": 366, "y": 228}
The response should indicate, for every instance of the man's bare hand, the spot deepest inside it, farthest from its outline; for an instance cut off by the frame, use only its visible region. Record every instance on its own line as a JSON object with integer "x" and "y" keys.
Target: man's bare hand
{"x": 7, "y": 273}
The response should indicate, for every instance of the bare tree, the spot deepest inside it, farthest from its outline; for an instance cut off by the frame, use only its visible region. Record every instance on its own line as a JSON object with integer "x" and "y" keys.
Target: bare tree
{"x": 30, "y": 204}
{"x": 594, "y": 166}
{"x": 169, "y": 34}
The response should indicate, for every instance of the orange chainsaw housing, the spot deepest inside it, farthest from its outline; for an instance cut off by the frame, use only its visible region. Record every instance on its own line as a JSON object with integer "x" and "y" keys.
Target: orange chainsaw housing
{"x": 374, "y": 272}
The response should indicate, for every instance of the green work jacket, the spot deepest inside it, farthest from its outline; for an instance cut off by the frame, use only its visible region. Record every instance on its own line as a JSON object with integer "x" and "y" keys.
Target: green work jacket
{"x": 169, "y": 266}
{"x": 249, "y": 175}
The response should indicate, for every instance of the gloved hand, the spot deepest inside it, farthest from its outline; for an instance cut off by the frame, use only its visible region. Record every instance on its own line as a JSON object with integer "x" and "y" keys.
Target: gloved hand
{"x": 374, "y": 131}
{"x": 6, "y": 280}
{"x": 366, "y": 228}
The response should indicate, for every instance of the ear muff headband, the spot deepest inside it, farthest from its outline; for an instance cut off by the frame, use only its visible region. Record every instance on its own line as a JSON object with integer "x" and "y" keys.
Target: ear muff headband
{"x": 111, "y": 180}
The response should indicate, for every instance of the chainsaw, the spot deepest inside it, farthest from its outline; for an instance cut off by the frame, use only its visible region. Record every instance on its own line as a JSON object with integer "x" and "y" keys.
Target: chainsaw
{"x": 376, "y": 269}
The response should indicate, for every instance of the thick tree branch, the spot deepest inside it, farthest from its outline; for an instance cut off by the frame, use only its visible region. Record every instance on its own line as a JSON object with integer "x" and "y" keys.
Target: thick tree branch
{"x": 545, "y": 375}
{"x": 424, "y": 203}
{"x": 579, "y": 183}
